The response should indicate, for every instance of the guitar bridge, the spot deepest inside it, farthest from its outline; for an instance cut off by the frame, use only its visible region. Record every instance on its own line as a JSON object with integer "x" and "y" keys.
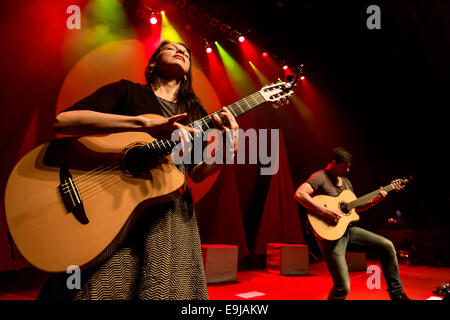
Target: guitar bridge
{"x": 71, "y": 195}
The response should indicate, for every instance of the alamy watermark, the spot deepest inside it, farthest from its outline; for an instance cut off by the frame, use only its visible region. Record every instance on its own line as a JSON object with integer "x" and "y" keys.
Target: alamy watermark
{"x": 221, "y": 148}
{"x": 74, "y": 20}
{"x": 374, "y": 280}
{"x": 374, "y": 20}
{"x": 74, "y": 280}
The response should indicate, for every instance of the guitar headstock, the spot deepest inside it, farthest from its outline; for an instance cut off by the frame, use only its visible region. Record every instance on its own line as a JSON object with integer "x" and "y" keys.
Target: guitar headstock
{"x": 399, "y": 184}
{"x": 277, "y": 93}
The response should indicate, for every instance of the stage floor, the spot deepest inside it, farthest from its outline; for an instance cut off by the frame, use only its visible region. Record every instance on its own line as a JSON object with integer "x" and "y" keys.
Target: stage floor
{"x": 418, "y": 281}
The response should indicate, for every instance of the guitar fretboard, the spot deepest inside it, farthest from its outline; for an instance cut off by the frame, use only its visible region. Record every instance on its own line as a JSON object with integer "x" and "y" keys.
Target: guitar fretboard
{"x": 364, "y": 199}
{"x": 164, "y": 147}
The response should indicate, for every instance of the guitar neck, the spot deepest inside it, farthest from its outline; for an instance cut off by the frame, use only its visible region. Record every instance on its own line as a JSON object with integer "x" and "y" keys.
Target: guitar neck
{"x": 237, "y": 108}
{"x": 364, "y": 199}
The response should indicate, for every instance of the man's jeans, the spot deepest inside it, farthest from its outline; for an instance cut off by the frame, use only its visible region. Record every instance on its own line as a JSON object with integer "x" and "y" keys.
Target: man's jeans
{"x": 360, "y": 239}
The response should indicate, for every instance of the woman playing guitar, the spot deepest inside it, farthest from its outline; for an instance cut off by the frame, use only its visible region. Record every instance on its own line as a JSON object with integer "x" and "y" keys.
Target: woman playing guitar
{"x": 161, "y": 256}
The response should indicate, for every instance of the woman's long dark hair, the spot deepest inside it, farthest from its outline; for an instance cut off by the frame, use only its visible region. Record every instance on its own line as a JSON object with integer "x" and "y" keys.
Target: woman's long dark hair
{"x": 186, "y": 99}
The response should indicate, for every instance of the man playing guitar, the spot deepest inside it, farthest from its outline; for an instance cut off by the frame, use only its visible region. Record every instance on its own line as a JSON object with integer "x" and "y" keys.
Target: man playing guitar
{"x": 331, "y": 181}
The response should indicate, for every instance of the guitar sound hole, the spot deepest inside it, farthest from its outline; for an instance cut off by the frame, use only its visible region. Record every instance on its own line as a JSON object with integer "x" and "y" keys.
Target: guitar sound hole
{"x": 343, "y": 207}
{"x": 137, "y": 160}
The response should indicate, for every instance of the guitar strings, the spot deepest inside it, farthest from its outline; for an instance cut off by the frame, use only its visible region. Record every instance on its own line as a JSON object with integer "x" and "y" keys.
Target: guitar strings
{"x": 88, "y": 187}
{"x": 91, "y": 175}
{"x": 91, "y": 180}
{"x": 98, "y": 170}
{"x": 81, "y": 178}
{"x": 106, "y": 183}
{"x": 97, "y": 174}
{"x": 99, "y": 185}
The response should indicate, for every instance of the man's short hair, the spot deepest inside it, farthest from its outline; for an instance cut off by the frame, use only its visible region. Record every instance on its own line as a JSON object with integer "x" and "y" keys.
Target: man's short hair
{"x": 341, "y": 155}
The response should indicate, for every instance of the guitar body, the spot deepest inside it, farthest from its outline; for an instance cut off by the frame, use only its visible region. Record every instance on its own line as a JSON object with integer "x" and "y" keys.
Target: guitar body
{"x": 51, "y": 237}
{"x": 324, "y": 229}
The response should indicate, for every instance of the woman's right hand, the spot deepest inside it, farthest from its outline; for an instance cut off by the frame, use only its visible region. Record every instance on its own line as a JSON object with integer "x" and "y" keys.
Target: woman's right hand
{"x": 162, "y": 128}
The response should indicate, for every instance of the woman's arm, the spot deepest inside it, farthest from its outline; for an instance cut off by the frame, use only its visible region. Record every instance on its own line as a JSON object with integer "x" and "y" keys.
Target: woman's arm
{"x": 87, "y": 122}
{"x": 203, "y": 170}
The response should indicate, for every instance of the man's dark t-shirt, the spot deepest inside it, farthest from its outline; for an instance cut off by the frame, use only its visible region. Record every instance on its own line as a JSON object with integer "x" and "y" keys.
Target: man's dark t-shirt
{"x": 322, "y": 183}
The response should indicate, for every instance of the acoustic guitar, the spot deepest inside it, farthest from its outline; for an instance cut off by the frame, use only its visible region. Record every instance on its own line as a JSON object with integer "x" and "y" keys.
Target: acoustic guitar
{"x": 346, "y": 203}
{"x": 71, "y": 201}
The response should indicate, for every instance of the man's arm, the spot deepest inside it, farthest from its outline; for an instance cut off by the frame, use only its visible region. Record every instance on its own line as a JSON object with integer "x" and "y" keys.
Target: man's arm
{"x": 303, "y": 195}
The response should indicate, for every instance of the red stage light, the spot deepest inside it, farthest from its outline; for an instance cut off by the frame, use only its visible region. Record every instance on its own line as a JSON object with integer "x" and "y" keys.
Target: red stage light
{"x": 241, "y": 39}
{"x": 264, "y": 54}
{"x": 302, "y": 78}
{"x": 285, "y": 67}
{"x": 153, "y": 20}
{"x": 208, "y": 50}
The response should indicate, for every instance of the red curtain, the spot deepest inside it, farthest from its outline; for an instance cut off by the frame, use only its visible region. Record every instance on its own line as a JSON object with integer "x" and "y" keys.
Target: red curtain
{"x": 219, "y": 213}
{"x": 280, "y": 220}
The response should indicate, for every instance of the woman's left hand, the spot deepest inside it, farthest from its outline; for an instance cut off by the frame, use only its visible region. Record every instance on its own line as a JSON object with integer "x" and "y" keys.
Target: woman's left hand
{"x": 227, "y": 124}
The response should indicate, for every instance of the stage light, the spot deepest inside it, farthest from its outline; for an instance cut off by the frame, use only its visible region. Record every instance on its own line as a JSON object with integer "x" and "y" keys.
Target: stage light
{"x": 240, "y": 80}
{"x": 405, "y": 256}
{"x": 265, "y": 54}
{"x": 392, "y": 220}
{"x": 302, "y": 78}
{"x": 285, "y": 67}
{"x": 153, "y": 20}
{"x": 168, "y": 31}
{"x": 207, "y": 46}
{"x": 261, "y": 78}
{"x": 241, "y": 39}
{"x": 163, "y": 12}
